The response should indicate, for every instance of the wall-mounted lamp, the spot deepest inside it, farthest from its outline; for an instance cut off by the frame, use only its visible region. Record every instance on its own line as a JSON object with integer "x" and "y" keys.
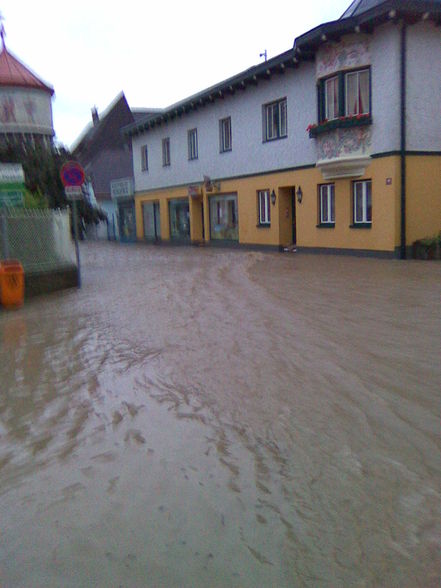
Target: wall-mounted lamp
{"x": 299, "y": 195}
{"x": 273, "y": 197}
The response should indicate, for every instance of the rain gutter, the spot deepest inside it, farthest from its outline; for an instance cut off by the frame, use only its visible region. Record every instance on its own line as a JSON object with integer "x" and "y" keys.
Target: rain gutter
{"x": 403, "y": 140}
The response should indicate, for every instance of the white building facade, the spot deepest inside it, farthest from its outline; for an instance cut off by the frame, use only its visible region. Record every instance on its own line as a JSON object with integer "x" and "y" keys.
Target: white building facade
{"x": 348, "y": 121}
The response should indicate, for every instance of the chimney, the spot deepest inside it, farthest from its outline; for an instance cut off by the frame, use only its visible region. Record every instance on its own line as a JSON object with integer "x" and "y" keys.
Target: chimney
{"x": 95, "y": 117}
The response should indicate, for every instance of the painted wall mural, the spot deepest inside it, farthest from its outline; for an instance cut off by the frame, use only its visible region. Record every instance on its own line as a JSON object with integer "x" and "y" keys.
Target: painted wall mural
{"x": 348, "y": 53}
{"x": 344, "y": 143}
{"x": 31, "y": 110}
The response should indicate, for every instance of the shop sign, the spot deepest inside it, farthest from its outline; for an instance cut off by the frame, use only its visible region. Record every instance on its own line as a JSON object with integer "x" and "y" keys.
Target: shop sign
{"x": 11, "y": 173}
{"x": 194, "y": 191}
{"x": 9, "y": 198}
{"x": 122, "y": 188}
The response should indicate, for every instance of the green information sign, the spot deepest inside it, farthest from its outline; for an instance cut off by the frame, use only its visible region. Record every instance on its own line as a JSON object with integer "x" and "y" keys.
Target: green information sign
{"x": 11, "y": 185}
{"x": 11, "y": 197}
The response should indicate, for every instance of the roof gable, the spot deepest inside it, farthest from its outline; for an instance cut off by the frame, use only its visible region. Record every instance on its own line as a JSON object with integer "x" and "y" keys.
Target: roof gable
{"x": 15, "y": 74}
{"x": 106, "y": 133}
{"x": 359, "y": 6}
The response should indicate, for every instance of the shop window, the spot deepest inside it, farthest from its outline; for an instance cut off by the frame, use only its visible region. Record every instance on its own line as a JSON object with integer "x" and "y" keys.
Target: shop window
{"x": 151, "y": 220}
{"x": 179, "y": 219}
{"x": 223, "y": 217}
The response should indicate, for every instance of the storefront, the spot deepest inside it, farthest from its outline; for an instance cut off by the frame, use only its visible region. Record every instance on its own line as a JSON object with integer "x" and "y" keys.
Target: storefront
{"x": 127, "y": 225}
{"x": 179, "y": 211}
{"x": 224, "y": 218}
{"x": 123, "y": 195}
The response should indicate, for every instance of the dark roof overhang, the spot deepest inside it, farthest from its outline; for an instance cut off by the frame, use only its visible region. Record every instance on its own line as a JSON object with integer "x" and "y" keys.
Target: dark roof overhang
{"x": 238, "y": 83}
{"x": 409, "y": 11}
{"x": 304, "y": 49}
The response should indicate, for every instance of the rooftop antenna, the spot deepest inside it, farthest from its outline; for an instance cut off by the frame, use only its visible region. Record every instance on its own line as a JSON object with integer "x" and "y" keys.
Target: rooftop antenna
{"x": 264, "y": 54}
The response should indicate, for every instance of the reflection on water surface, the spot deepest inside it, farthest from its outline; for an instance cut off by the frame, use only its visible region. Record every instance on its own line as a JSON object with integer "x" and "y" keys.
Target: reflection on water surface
{"x": 196, "y": 417}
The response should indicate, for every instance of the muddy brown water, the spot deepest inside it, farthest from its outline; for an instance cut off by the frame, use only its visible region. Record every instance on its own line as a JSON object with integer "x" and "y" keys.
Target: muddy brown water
{"x": 215, "y": 418}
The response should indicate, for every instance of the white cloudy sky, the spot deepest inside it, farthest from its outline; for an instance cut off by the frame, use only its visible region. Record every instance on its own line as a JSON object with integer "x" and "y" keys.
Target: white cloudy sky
{"x": 91, "y": 50}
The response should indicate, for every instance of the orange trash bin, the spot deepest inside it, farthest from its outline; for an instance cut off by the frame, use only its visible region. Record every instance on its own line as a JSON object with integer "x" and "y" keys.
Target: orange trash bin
{"x": 11, "y": 283}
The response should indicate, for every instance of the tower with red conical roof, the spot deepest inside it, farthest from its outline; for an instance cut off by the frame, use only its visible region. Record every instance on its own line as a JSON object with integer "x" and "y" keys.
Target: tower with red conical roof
{"x": 25, "y": 103}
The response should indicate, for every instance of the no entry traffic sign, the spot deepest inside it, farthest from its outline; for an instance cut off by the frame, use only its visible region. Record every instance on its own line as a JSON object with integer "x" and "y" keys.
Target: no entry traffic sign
{"x": 72, "y": 174}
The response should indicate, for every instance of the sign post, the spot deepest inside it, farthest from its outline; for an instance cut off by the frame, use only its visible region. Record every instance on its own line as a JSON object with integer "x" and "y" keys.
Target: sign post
{"x": 72, "y": 176}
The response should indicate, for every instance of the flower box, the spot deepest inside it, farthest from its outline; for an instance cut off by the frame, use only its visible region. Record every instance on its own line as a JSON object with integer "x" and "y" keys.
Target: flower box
{"x": 344, "y": 122}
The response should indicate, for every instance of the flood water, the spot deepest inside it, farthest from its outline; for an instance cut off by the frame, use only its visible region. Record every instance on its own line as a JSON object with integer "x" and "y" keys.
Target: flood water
{"x": 215, "y": 418}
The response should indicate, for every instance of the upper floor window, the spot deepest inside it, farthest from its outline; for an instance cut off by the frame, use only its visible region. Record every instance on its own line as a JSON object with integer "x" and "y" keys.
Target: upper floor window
{"x": 144, "y": 158}
{"x": 357, "y": 93}
{"x": 346, "y": 94}
{"x": 331, "y": 98}
{"x": 166, "y": 151}
{"x": 263, "y": 201}
{"x": 275, "y": 120}
{"x": 327, "y": 204}
{"x": 192, "y": 144}
{"x": 225, "y": 138}
{"x": 362, "y": 191}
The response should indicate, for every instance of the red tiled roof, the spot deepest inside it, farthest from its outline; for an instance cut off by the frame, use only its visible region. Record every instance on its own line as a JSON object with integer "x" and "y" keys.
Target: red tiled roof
{"x": 14, "y": 73}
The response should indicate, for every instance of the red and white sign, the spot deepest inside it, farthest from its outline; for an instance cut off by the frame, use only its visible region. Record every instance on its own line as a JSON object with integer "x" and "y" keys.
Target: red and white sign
{"x": 72, "y": 174}
{"x": 73, "y": 192}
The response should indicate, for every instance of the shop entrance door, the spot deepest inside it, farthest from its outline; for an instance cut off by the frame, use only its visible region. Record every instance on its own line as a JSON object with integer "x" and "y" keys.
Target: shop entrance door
{"x": 223, "y": 218}
{"x": 127, "y": 223}
{"x": 179, "y": 220}
{"x": 151, "y": 220}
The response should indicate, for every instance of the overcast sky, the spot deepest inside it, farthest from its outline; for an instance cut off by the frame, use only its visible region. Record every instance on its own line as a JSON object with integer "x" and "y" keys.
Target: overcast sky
{"x": 157, "y": 54}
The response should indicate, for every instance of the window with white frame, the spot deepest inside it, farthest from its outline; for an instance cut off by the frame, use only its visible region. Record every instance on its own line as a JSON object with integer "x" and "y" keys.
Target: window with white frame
{"x": 166, "y": 151}
{"x": 264, "y": 206}
{"x": 357, "y": 92}
{"x": 275, "y": 120}
{"x": 225, "y": 138}
{"x": 327, "y": 204}
{"x": 362, "y": 202}
{"x": 345, "y": 94}
{"x": 192, "y": 144}
{"x": 144, "y": 158}
{"x": 331, "y": 98}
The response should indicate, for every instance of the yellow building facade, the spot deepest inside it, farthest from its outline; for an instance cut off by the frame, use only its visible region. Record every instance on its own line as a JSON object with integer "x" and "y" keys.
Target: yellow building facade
{"x": 297, "y": 223}
{"x": 333, "y": 146}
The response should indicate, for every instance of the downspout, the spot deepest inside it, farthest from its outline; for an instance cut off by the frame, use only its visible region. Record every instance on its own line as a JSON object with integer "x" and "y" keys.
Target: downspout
{"x": 403, "y": 141}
